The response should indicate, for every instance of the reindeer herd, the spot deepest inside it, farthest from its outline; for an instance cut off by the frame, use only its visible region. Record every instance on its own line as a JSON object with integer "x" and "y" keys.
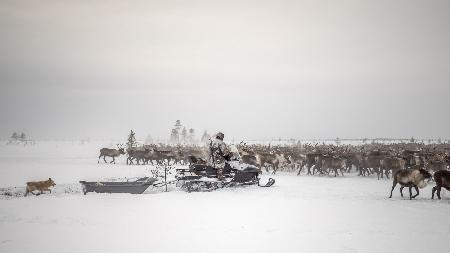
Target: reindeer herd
{"x": 408, "y": 164}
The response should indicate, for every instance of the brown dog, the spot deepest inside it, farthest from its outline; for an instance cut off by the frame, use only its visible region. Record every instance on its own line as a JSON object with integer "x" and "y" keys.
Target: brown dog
{"x": 39, "y": 186}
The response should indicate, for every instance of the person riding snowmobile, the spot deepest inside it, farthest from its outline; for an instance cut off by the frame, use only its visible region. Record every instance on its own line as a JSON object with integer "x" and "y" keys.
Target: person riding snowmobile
{"x": 219, "y": 153}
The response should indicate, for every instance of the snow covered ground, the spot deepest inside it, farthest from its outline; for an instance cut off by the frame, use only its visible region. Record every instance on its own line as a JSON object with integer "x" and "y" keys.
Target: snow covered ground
{"x": 298, "y": 214}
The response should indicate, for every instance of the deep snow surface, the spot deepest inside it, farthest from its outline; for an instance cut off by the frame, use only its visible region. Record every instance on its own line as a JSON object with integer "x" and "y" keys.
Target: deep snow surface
{"x": 298, "y": 214}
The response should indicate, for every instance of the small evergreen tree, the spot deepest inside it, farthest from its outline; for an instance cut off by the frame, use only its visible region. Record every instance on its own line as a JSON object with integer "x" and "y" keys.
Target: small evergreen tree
{"x": 338, "y": 141}
{"x": 191, "y": 135}
{"x": 178, "y": 124}
{"x": 15, "y": 136}
{"x": 184, "y": 135}
{"x": 174, "y": 136}
{"x": 205, "y": 136}
{"x": 131, "y": 140}
{"x": 22, "y": 136}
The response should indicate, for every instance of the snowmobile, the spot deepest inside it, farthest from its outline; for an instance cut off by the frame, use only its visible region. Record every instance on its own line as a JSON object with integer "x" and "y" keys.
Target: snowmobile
{"x": 202, "y": 177}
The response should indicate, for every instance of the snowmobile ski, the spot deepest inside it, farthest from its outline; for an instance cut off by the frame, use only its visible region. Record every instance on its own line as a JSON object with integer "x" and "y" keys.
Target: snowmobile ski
{"x": 268, "y": 184}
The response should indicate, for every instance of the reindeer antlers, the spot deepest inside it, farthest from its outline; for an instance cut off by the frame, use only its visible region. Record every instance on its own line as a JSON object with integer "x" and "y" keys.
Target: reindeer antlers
{"x": 243, "y": 143}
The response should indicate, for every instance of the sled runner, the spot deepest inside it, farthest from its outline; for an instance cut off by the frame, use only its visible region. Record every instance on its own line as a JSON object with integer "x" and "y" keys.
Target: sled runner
{"x": 201, "y": 177}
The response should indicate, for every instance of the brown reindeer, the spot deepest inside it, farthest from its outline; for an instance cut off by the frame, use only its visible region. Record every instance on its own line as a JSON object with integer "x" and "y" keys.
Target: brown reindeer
{"x": 261, "y": 158}
{"x": 372, "y": 163}
{"x": 110, "y": 152}
{"x": 442, "y": 179}
{"x": 247, "y": 155}
{"x": 272, "y": 160}
{"x": 410, "y": 178}
{"x": 436, "y": 164}
{"x": 196, "y": 160}
{"x": 310, "y": 161}
{"x": 333, "y": 163}
{"x": 392, "y": 164}
{"x": 353, "y": 159}
{"x": 296, "y": 160}
{"x": 138, "y": 154}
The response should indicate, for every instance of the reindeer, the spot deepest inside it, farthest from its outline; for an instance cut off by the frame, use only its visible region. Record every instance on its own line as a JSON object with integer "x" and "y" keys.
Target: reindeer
{"x": 180, "y": 157}
{"x": 164, "y": 155}
{"x": 296, "y": 160}
{"x": 110, "y": 152}
{"x": 436, "y": 163}
{"x": 247, "y": 155}
{"x": 261, "y": 158}
{"x": 194, "y": 156}
{"x": 310, "y": 161}
{"x": 442, "y": 179}
{"x": 137, "y": 154}
{"x": 372, "y": 161}
{"x": 196, "y": 160}
{"x": 312, "y": 158}
{"x": 250, "y": 159}
{"x": 274, "y": 160}
{"x": 151, "y": 156}
{"x": 391, "y": 164}
{"x": 353, "y": 158}
{"x": 323, "y": 161}
{"x": 333, "y": 163}
{"x": 265, "y": 158}
{"x": 410, "y": 178}
{"x": 410, "y": 158}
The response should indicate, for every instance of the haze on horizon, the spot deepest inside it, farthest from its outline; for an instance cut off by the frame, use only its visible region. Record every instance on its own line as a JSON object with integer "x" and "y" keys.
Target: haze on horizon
{"x": 252, "y": 69}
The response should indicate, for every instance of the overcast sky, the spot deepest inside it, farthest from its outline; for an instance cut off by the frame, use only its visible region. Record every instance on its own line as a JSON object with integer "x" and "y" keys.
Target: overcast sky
{"x": 252, "y": 69}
